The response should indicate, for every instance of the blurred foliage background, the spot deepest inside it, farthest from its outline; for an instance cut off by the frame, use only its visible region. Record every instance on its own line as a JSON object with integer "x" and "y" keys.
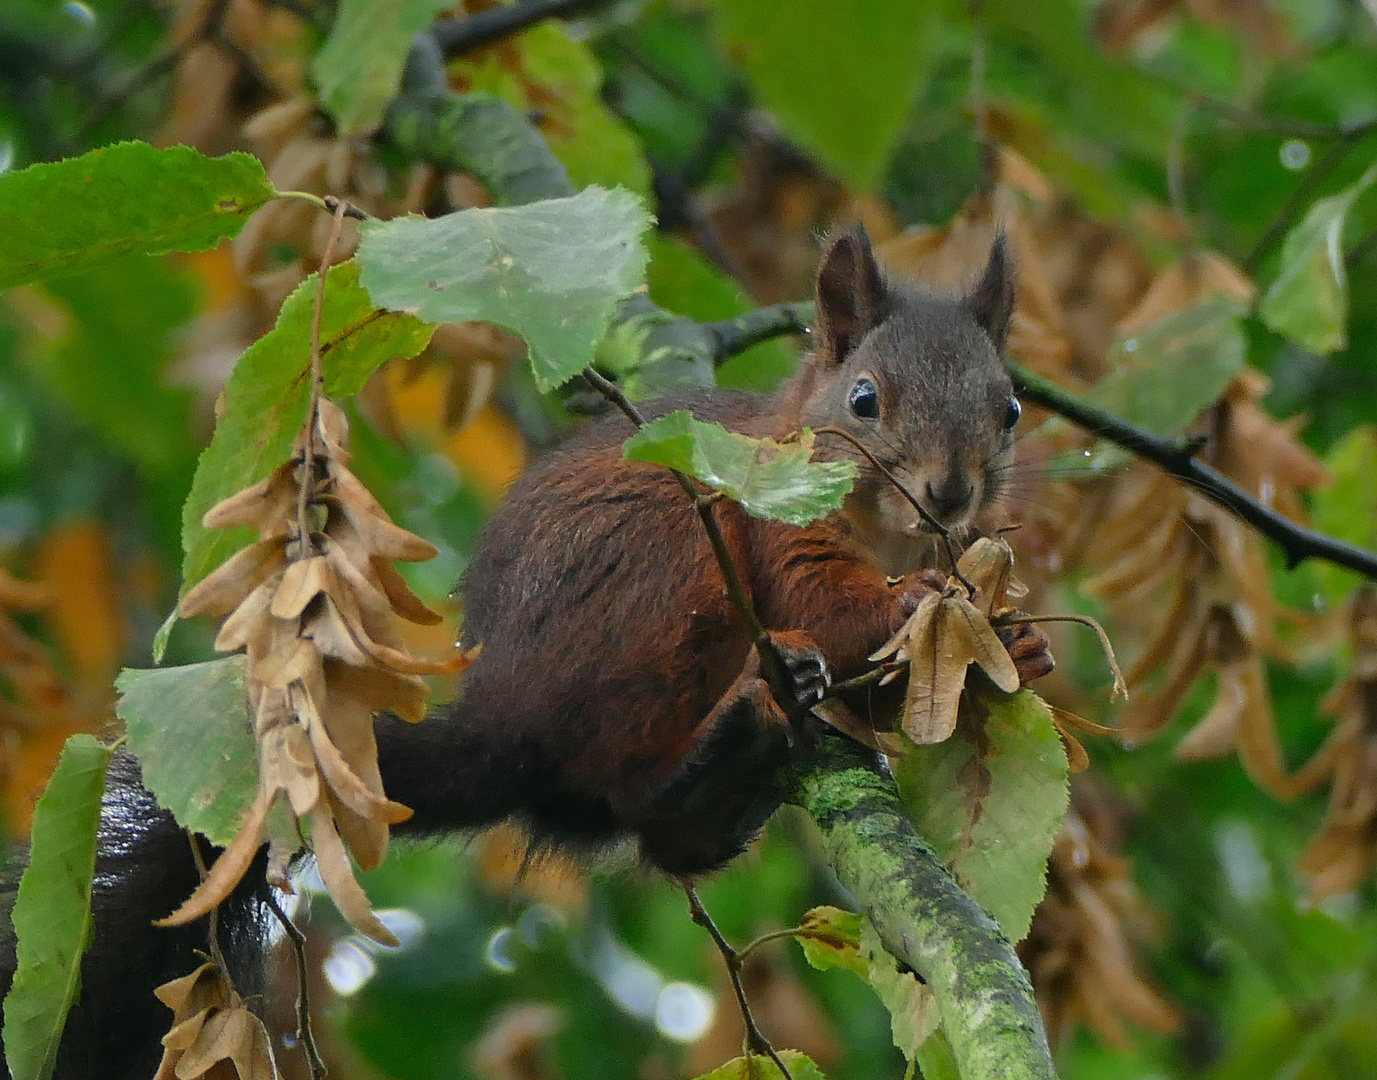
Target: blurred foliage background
{"x": 1159, "y": 166}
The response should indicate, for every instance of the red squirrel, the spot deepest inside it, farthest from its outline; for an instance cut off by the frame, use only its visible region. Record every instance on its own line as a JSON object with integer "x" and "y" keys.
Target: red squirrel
{"x": 617, "y": 692}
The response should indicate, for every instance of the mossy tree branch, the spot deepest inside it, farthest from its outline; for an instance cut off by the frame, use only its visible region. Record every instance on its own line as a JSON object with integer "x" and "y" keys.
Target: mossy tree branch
{"x": 923, "y": 917}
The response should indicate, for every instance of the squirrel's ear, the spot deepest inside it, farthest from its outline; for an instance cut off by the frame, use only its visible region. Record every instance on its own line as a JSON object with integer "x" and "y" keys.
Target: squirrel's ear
{"x": 992, "y": 299}
{"x": 851, "y": 293}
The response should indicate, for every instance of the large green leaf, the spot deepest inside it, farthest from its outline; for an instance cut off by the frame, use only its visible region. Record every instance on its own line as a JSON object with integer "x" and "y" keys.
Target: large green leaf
{"x": 358, "y": 70}
{"x": 550, "y": 271}
{"x": 546, "y": 72}
{"x": 264, "y": 400}
{"x": 52, "y": 915}
{"x": 769, "y": 479}
{"x": 991, "y": 798}
{"x": 840, "y": 76}
{"x": 131, "y": 197}
{"x": 1308, "y": 302}
{"x": 179, "y": 720}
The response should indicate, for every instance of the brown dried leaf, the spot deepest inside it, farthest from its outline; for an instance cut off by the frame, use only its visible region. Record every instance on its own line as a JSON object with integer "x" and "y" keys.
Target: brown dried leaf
{"x": 301, "y": 583}
{"x": 269, "y": 505}
{"x": 338, "y": 876}
{"x": 226, "y": 588}
{"x": 228, "y": 868}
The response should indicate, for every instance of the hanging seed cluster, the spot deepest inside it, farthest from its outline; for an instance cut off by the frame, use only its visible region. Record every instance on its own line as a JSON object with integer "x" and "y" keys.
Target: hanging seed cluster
{"x": 312, "y": 603}
{"x": 213, "y": 1034}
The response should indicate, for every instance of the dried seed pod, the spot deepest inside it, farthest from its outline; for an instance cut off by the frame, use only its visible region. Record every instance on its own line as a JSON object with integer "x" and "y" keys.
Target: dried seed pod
{"x": 312, "y": 603}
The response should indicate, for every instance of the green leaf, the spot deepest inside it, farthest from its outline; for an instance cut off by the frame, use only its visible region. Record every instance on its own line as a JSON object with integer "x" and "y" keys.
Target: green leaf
{"x": 178, "y": 720}
{"x": 52, "y": 915}
{"x": 991, "y": 799}
{"x": 1308, "y": 302}
{"x": 833, "y": 940}
{"x": 1165, "y": 375}
{"x": 69, "y": 215}
{"x": 913, "y": 1013}
{"x": 1344, "y": 509}
{"x": 550, "y": 271}
{"x": 544, "y": 71}
{"x": 840, "y": 76}
{"x": 264, "y": 400}
{"x": 801, "y": 1067}
{"x": 358, "y": 70}
{"x": 769, "y": 479}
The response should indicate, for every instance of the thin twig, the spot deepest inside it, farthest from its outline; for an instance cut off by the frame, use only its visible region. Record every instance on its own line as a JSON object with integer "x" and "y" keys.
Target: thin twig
{"x": 459, "y": 36}
{"x": 772, "y": 664}
{"x": 303, "y": 1001}
{"x": 1176, "y": 458}
{"x": 1286, "y": 126}
{"x": 794, "y": 932}
{"x": 1176, "y": 162}
{"x": 307, "y": 490}
{"x": 755, "y": 1038}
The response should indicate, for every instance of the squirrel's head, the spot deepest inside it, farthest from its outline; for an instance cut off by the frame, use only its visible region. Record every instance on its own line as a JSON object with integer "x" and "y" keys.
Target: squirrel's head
{"x": 916, "y": 378}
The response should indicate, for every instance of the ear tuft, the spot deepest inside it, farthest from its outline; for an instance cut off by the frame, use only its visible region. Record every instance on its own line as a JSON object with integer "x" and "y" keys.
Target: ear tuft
{"x": 851, "y": 293}
{"x": 991, "y": 301}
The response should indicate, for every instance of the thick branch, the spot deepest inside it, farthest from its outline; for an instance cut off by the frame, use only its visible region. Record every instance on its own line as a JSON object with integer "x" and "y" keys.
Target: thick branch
{"x": 923, "y": 917}
{"x": 1297, "y": 543}
{"x": 474, "y": 133}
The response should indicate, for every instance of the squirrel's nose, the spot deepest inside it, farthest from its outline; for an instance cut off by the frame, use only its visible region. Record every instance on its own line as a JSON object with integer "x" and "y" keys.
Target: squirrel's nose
{"x": 950, "y": 497}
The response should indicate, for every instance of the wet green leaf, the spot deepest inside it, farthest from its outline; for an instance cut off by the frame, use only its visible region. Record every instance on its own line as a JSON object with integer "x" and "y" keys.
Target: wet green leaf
{"x": 550, "y": 271}
{"x": 264, "y": 400}
{"x": 990, "y": 800}
{"x": 52, "y": 915}
{"x": 800, "y": 1066}
{"x": 1347, "y": 508}
{"x": 1308, "y": 302}
{"x": 546, "y": 72}
{"x": 841, "y": 77}
{"x": 769, "y": 479}
{"x": 66, "y": 216}
{"x": 833, "y": 939}
{"x": 181, "y": 718}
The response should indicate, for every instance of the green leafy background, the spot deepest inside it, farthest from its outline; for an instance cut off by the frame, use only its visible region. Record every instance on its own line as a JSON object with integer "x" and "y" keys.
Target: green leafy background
{"x": 97, "y": 424}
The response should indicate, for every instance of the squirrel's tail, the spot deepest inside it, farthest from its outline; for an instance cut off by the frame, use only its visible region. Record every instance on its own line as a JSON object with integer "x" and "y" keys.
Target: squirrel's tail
{"x": 459, "y": 768}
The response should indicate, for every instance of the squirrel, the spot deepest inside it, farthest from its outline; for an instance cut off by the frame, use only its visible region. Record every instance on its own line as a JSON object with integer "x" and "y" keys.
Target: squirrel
{"x": 617, "y": 693}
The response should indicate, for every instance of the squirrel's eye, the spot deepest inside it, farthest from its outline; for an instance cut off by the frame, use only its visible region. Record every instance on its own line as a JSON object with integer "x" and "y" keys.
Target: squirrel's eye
{"x": 1012, "y": 412}
{"x": 865, "y": 400}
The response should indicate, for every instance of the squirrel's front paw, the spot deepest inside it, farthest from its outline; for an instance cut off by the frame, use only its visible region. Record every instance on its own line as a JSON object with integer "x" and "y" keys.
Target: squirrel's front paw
{"x": 809, "y": 675}
{"x": 1029, "y": 649}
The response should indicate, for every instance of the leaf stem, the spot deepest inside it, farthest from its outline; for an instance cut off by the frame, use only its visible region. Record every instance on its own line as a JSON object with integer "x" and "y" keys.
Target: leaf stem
{"x": 306, "y": 491}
